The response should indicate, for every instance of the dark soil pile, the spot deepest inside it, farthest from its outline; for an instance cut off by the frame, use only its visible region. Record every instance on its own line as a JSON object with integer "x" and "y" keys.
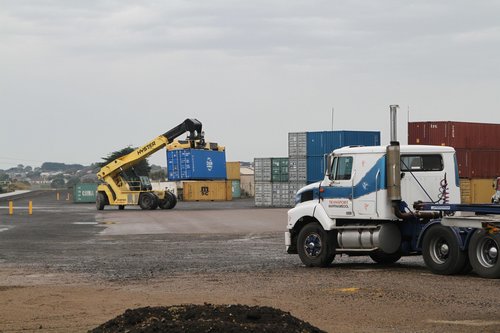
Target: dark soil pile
{"x": 205, "y": 318}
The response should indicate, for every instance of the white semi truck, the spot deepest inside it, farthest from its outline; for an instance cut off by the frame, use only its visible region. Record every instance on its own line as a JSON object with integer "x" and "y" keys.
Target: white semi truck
{"x": 392, "y": 201}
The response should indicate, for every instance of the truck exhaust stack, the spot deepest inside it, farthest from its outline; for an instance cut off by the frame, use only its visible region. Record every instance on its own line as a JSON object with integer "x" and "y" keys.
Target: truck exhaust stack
{"x": 393, "y": 166}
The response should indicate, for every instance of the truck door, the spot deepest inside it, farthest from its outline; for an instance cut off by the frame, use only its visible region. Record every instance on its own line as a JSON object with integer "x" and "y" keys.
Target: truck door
{"x": 337, "y": 191}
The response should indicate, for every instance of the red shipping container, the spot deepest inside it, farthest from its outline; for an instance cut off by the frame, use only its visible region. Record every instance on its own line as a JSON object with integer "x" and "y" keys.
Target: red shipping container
{"x": 460, "y": 135}
{"x": 473, "y": 163}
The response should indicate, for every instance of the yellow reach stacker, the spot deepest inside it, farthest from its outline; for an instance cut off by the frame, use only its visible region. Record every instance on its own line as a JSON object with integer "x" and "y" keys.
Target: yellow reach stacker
{"x": 120, "y": 189}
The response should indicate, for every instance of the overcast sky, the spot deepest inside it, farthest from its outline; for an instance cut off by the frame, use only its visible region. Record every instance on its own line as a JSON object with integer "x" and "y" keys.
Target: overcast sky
{"x": 79, "y": 79}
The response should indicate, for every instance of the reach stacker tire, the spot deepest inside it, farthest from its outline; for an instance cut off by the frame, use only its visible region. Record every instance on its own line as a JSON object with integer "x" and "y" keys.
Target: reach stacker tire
{"x": 316, "y": 247}
{"x": 168, "y": 202}
{"x": 148, "y": 201}
{"x": 483, "y": 254}
{"x": 100, "y": 201}
{"x": 441, "y": 251}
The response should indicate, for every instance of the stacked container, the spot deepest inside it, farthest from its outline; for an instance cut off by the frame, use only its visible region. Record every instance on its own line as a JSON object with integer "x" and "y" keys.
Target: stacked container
{"x": 233, "y": 176}
{"x": 307, "y": 151}
{"x": 271, "y": 182}
{"x": 278, "y": 179}
{"x": 196, "y": 164}
{"x": 478, "y": 153}
{"x": 203, "y": 174}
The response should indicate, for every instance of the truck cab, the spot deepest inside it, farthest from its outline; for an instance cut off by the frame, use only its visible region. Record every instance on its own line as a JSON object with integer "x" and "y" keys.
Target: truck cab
{"x": 353, "y": 204}
{"x": 495, "y": 199}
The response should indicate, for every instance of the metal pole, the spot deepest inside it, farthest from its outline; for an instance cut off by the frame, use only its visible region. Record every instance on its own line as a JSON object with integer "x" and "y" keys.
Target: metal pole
{"x": 11, "y": 207}
{"x": 394, "y": 123}
{"x": 30, "y": 207}
{"x": 333, "y": 111}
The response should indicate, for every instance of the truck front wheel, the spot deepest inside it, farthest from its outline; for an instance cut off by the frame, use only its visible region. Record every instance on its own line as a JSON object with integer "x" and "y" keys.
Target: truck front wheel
{"x": 316, "y": 247}
{"x": 483, "y": 254}
{"x": 441, "y": 251}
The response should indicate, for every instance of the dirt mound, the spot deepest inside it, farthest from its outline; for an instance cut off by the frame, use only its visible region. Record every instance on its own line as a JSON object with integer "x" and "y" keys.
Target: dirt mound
{"x": 205, "y": 318}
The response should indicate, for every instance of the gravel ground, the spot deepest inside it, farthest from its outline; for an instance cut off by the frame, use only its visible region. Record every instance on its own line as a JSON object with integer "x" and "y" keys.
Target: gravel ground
{"x": 61, "y": 269}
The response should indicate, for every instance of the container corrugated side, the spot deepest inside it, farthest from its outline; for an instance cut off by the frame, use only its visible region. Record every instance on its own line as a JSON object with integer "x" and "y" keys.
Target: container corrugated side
{"x": 465, "y": 191}
{"x": 196, "y": 164}
{"x": 84, "y": 192}
{"x": 297, "y": 169}
{"x": 460, "y": 135}
{"x": 293, "y": 187}
{"x": 207, "y": 191}
{"x": 297, "y": 144}
{"x": 321, "y": 143}
{"x": 236, "y": 188}
{"x": 279, "y": 169}
{"x": 280, "y": 195}
{"x": 263, "y": 194}
{"x": 475, "y": 163}
{"x": 233, "y": 170}
{"x": 315, "y": 168}
{"x": 481, "y": 190}
{"x": 262, "y": 169}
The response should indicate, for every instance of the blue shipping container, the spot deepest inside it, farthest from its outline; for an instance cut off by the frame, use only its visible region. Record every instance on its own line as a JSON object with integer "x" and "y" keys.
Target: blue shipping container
{"x": 315, "y": 168}
{"x": 196, "y": 164}
{"x": 321, "y": 143}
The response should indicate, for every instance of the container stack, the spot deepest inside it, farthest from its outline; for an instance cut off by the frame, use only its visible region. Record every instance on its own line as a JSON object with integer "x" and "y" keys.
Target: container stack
{"x": 478, "y": 153}
{"x": 202, "y": 174}
{"x": 233, "y": 177}
{"x": 277, "y": 180}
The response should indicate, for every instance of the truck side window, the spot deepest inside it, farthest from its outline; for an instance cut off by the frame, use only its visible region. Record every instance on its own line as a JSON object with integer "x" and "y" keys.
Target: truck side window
{"x": 421, "y": 163}
{"x": 341, "y": 168}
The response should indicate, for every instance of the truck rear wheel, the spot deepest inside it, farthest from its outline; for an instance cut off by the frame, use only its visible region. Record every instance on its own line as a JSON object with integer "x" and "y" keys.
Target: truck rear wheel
{"x": 483, "y": 254}
{"x": 316, "y": 247}
{"x": 441, "y": 251}
{"x": 148, "y": 201}
{"x": 169, "y": 201}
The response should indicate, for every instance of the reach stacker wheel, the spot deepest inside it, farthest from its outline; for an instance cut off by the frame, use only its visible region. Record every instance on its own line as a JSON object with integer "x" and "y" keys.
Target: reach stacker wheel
{"x": 148, "y": 201}
{"x": 168, "y": 202}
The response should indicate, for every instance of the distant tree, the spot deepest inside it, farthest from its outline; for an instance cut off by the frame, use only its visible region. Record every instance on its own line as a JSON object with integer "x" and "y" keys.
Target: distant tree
{"x": 158, "y": 175}
{"x": 72, "y": 182}
{"x": 141, "y": 169}
{"x": 4, "y": 177}
{"x": 57, "y": 183}
{"x": 28, "y": 168}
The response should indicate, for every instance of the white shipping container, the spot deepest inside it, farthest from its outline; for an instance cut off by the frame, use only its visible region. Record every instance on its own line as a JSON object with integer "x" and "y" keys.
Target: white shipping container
{"x": 297, "y": 144}
{"x": 297, "y": 169}
{"x": 293, "y": 187}
{"x": 263, "y": 169}
{"x": 263, "y": 194}
{"x": 281, "y": 195}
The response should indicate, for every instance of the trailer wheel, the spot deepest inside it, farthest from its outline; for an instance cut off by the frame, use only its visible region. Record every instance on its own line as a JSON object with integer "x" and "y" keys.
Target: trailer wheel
{"x": 121, "y": 207}
{"x": 169, "y": 201}
{"x": 148, "y": 201}
{"x": 100, "y": 201}
{"x": 483, "y": 254}
{"x": 316, "y": 247}
{"x": 441, "y": 251}
{"x": 384, "y": 258}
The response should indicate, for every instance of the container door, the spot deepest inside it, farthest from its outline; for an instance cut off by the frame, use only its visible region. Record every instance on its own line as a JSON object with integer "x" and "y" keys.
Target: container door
{"x": 338, "y": 193}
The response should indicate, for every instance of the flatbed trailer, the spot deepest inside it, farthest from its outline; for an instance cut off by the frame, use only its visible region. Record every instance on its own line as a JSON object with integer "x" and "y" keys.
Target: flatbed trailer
{"x": 480, "y": 225}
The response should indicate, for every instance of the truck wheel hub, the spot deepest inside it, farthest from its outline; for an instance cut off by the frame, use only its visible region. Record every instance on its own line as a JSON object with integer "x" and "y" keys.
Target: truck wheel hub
{"x": 312, "y": 245}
